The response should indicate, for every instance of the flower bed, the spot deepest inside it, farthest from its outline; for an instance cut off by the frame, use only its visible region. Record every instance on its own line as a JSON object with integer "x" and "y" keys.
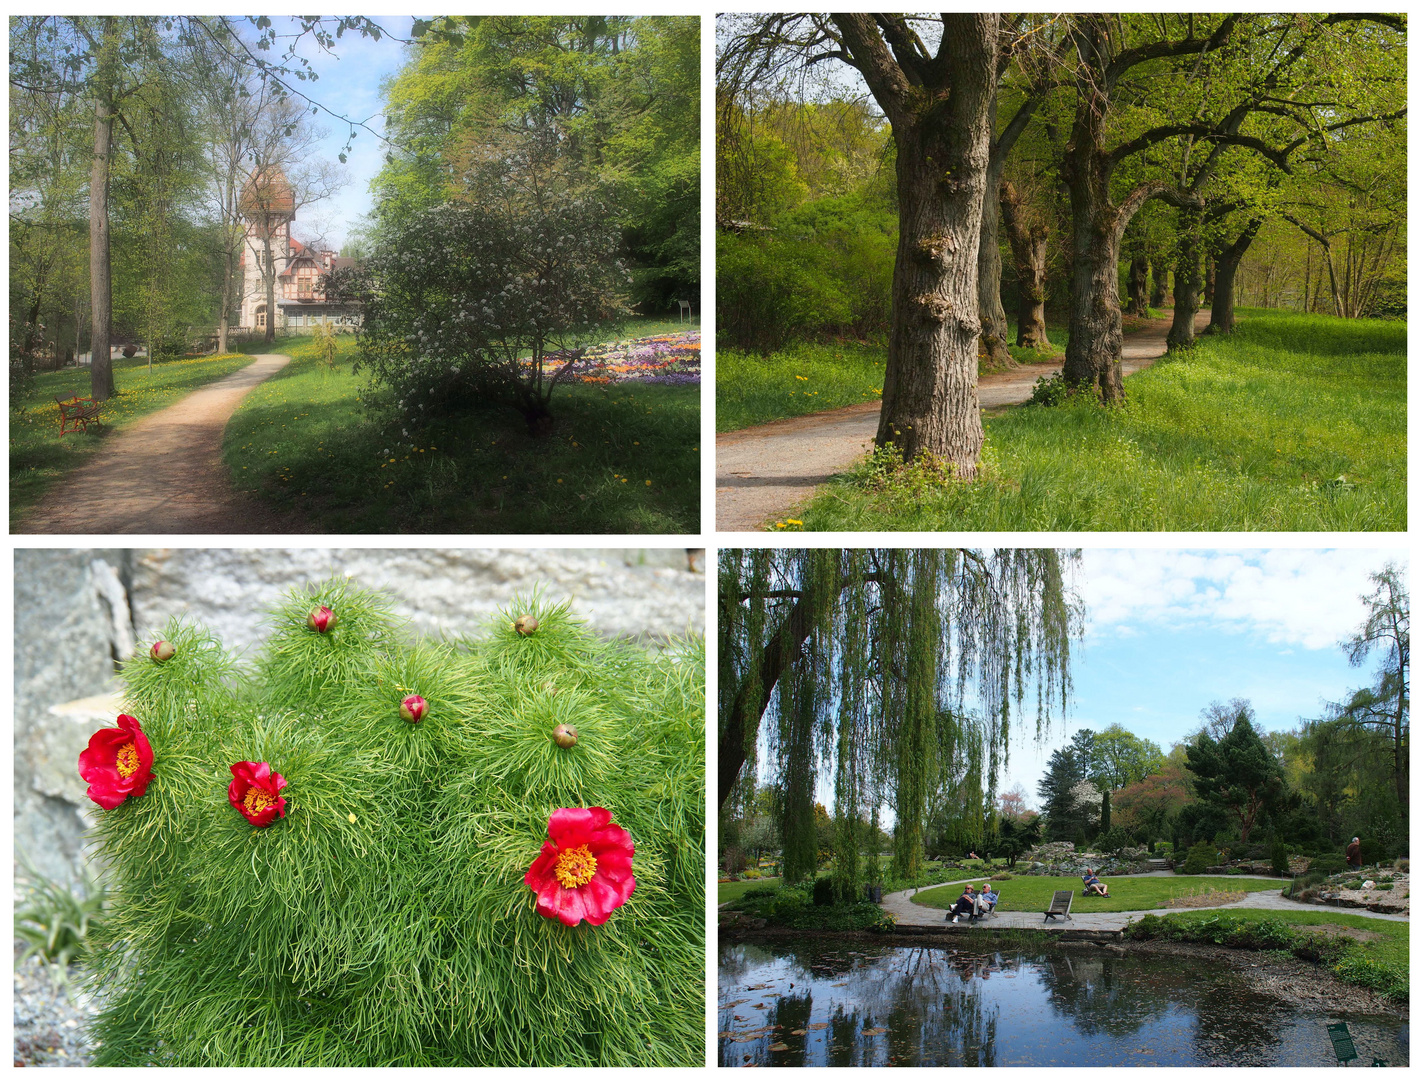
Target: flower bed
{"x": 660, "y": 360}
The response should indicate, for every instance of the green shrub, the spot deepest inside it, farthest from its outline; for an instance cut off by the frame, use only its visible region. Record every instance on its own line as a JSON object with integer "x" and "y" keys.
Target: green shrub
{"x": 751, "y": 874}
{"x": 384, "y": 920}
{"x": 823, "y": 892}
{"x": 1278, "y": 857}
{"x": 1328, "y": 864}
{"x": 1202, "y": 857}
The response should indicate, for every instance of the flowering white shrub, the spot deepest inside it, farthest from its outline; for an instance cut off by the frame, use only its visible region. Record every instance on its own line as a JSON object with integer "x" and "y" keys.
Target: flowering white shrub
{"x": 468, "y": 300}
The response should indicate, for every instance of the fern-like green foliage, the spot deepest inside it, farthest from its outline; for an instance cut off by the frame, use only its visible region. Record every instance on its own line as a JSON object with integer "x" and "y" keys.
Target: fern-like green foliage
{"x": 384, "y": 920}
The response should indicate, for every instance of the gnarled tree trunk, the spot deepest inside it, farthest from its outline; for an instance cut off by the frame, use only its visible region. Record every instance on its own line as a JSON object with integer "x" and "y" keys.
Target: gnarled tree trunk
{"x": 1159, "y": 281}
{"x": 942, "y": 137}
{"x": 1135, "y": 286}
{"x": 1187, "y": 281}
{"x": 989, "y": 257}
{"x": 1221, "y": 313}
{"x": 1028, "y": 249}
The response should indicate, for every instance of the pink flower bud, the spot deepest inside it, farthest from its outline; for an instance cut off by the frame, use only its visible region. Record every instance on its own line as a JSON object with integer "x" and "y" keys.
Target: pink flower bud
{"x": 525, "y": 624}
{"x": 322, "y": 620}
{"x": 565, "y": 735}
{"x": 413, "y": 708}
{"x": 162, "y": 650}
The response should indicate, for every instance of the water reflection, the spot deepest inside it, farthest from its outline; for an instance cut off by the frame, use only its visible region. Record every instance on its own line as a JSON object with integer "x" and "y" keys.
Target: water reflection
{"x": 787, "y": 1004}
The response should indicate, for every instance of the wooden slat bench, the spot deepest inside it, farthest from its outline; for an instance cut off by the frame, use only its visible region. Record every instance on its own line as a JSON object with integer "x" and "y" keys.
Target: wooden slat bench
{"x": 76, "y": 414}
{"x": 1060, "y": 904}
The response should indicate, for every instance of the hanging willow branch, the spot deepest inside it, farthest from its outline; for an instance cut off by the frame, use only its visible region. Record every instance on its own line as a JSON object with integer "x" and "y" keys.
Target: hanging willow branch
{"x": 897, "y": 671}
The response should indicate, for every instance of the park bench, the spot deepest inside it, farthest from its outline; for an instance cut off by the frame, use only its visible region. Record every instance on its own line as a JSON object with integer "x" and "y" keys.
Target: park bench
{"x": 1060, "y": 904}
{"x": 76, "y": 414}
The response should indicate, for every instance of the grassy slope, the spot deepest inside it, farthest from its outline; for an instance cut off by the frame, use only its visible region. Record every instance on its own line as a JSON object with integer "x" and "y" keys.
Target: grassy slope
{"x": 808, "y": 378}
{"x": 1126, "y": 894}
{"x": 622, "y": 459}
{"x": 39, "y": 457}
{"x": 1291, "y": 423}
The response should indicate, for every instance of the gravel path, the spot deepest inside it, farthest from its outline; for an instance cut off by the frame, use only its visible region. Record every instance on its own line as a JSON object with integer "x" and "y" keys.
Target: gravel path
{"x": 900, "y": 905}
{"x": 165, "y": 474}
{"x": 763, "y": 472}
{"x": 51, "y": 1021}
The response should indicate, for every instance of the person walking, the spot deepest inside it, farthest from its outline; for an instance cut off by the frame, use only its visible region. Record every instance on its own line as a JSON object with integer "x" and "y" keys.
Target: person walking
{"x": 1354, "y": 854}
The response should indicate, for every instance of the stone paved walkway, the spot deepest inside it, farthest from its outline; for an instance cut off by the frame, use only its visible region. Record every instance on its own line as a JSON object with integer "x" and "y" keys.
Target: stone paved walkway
{"x": 900, "y": 905}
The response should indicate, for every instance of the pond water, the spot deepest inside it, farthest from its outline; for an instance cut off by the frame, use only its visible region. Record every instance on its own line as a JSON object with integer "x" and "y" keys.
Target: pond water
{"x": 865, "y": 1004}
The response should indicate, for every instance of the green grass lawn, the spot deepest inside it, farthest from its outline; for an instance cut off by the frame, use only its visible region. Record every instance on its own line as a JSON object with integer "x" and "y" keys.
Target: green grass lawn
{"x": 810, "y": 377}
{"x": 39, "y": 457}
{"x": 1293, "y": 422}
{"x": 622, "y": 459}
{"x": 726, "y": 891}
{"x": 1126, "y": 893}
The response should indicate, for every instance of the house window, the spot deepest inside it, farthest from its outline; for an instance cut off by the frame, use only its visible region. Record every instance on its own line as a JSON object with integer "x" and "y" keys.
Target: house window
{"x": 261, "y": 316}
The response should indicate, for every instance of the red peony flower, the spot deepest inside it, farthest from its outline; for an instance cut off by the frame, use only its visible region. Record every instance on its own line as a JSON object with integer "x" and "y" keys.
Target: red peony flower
{"x": 256, "y": 792}
{"x": 585, "y": 868}
{"x": 413, "y": 708}
{"x": 118, "y": 763}
{"x": 322, "y": 620}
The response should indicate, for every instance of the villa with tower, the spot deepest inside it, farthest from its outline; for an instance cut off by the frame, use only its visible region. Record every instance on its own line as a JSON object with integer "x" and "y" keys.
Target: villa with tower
{"x": 272, "y": 256}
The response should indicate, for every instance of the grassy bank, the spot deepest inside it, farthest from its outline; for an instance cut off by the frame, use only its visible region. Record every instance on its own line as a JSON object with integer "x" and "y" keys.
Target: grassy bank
{"x": 39, "y": 457}
{"x": 1126, "y": 893}
{"x": 1293, "y": 422}
{"x": 622, "y": 458}
{"x": 810, "y": 377}
{"x": 726, "y": 891}
{"x": 1377, "y": 957}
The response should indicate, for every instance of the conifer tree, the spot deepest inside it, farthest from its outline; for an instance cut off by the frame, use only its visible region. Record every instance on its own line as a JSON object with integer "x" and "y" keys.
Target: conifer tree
{"x": 377, "y": 898}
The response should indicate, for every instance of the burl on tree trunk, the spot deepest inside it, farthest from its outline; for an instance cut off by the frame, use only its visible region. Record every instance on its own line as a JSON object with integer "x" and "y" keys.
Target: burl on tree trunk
{"x": 941, "y": 133}
{"x": 1028, "y": 241}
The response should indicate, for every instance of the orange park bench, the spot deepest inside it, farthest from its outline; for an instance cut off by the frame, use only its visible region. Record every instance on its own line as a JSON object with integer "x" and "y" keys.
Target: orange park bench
{"x": 76, "y": 414}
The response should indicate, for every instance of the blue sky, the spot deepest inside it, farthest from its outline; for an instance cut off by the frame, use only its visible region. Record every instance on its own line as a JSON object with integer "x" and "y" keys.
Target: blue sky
{"x": 1169, "y": 632}
{"x": 348, "y": 83}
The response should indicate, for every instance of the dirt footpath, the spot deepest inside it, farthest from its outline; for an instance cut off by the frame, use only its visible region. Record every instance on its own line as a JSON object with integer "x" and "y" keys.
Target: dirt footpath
{"x": 165, "y": 473}
{"x": 763, "y": 472}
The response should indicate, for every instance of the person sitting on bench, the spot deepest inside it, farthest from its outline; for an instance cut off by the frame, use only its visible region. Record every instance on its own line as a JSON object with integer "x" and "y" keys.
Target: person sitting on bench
{"x": 966, "y": 904}
{"x": 1093, "y": 887}
{"x": 986, "y": 899}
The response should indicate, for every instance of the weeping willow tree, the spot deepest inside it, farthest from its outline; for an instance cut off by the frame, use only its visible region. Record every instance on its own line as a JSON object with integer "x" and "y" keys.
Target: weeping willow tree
{"x": 897, "y": 672}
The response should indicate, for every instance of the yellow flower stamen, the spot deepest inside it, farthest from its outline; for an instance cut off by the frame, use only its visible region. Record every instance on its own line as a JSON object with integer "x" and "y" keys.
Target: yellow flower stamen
{"x": 256, "y": 800}
{"x": 575, "y": 867}
{"x": 127, "y": 760}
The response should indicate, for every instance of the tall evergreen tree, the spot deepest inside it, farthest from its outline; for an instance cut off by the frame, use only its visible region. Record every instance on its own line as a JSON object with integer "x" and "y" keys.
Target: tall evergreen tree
{"x": 1237, "y": 775}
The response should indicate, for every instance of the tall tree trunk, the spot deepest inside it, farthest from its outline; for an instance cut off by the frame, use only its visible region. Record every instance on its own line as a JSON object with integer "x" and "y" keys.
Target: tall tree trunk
{"x": 1187, "y": 281}
{"x": 989, "y": 256}
{"x": 1210, "y": 269}
{"x": 1028, "y": 249}
{"x": 269, "y": 277}
{"x": 1136, "y": 284}
{"x": 1221, "y": 313}
{"x": 101, "y": 386}
{"x": 1159, "y": 281}
{"x": 930, "y": 385}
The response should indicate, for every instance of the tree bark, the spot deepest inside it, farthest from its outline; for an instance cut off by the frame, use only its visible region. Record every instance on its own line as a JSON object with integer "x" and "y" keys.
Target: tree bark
{"x": 1187, "y": 281}
{"x": 1028, "y": 248}
{"x": 1210, "y": 270}
{"x": 1136, "y": 285}
{"x": 1159, "y": 281}
{"x": 269, "y": 277}
{"x": 989, "y": 256}
{"x": 1221, "y": 312}
{"x": 942, "y": 135}
{"x": 101, "y": 386}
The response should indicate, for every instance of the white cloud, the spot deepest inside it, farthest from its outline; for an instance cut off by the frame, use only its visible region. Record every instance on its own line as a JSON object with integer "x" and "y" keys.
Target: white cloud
{"x": 1291, "y": 597}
